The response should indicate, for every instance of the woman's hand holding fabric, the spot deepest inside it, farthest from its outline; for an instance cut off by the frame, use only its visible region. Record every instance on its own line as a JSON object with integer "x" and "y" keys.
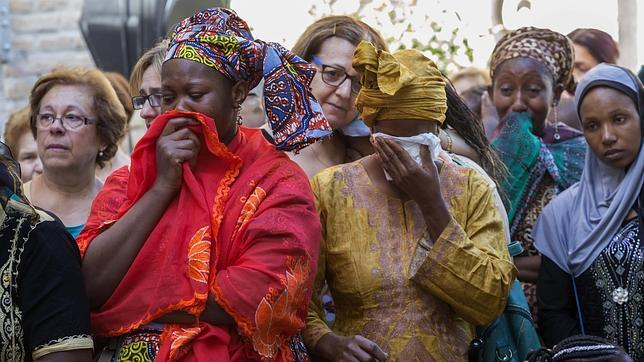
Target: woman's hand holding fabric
{"x": 121, "y": 242}
{"x": 176, "y": 145}
{"x": 352, "y": 349}
{"x": 420, "y": 183}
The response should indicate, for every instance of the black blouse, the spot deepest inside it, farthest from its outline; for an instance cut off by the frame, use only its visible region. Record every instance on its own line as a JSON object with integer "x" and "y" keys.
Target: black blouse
{"x": 44, "y": 307}
{"x": 610, "y": 291}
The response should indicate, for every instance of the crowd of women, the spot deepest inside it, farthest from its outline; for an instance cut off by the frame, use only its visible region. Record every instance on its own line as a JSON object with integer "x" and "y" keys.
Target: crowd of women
{"x": 365, "y": 217}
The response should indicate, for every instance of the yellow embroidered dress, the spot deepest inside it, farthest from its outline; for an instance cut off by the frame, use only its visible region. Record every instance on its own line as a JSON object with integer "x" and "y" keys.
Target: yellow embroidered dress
{"x": 370, "y": 253}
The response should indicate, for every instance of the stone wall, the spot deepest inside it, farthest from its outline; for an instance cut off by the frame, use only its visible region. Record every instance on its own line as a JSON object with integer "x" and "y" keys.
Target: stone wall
{"x": 45, "y": 33}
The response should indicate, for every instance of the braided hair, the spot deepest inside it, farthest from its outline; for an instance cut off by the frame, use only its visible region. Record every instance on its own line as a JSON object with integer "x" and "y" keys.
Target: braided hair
{"x": 580, "y": 348}
{"x": 468, "y": 125}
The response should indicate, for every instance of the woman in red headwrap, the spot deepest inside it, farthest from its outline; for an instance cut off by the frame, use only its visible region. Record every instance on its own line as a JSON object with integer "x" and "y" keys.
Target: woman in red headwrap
{"x": 207, "y": 248}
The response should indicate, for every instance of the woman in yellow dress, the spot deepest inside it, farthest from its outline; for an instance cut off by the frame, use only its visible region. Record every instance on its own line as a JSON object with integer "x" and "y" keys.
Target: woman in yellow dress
{"x": 415, "y": 263}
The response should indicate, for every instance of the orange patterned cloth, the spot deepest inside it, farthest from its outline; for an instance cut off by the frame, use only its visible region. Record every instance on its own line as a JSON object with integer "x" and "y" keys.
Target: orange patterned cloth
{"x": 243, "y": 229}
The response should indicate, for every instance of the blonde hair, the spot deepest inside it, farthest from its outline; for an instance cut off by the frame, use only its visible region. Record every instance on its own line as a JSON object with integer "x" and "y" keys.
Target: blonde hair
{"x": 109, "y": 110}
{"x": 153, "y": 57}
{"x": 471, "y": 72}
{"x": 17, "y": 125}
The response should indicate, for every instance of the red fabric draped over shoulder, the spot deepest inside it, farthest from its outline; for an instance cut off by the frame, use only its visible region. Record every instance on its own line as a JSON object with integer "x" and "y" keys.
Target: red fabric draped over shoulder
{"x": 243, "y": 228}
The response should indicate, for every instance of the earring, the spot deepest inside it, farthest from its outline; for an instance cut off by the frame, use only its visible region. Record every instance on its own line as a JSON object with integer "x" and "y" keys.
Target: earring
{"x": 238, "y": 115}
{"x": 101, "y": 153}
{"x": 556, "y": 136}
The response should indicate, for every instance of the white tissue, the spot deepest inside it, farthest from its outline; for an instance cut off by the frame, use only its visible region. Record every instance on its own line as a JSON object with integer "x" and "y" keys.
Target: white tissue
{"x": 412, "y": 146}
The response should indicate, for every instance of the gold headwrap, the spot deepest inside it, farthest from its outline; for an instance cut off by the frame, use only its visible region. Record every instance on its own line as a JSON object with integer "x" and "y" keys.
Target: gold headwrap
{"x": 402, "y": 85}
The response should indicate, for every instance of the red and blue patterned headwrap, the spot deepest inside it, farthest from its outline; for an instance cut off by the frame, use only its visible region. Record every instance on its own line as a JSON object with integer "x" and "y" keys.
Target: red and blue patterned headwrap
{"x": 218, "y": 38}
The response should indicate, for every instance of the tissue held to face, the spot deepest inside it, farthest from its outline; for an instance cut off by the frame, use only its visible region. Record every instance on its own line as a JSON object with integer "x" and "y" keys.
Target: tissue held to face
{"x": 410, "y": 134}
{"x": 405, "y": 127}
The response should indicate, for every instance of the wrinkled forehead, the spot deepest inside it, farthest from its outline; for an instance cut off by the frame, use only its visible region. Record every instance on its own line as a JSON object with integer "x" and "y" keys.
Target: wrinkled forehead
{"x": 178, "y": 72}
{"x": 522, "y": 66}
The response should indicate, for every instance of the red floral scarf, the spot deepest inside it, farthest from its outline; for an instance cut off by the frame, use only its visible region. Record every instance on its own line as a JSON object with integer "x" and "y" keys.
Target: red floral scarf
{"x": 243, "y": 228}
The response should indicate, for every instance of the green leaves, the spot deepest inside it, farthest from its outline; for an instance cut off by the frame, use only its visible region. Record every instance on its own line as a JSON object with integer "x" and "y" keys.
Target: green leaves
{"x": 403, "y": 27}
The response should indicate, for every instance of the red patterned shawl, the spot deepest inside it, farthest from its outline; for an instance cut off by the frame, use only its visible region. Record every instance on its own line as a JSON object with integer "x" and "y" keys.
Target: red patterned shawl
{"x": 243, "y": 228}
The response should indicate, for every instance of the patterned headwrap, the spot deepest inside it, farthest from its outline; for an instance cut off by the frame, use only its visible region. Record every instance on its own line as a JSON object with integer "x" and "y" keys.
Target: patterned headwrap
{"x": 11, "y": 187}
{"x": 548, "y": 47}
{"x": 402, "y": 85}
{"x": 219, "y": 39}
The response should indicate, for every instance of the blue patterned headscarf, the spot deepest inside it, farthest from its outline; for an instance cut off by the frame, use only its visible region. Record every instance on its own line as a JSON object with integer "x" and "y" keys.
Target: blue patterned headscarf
{"x": 219, "y": 39}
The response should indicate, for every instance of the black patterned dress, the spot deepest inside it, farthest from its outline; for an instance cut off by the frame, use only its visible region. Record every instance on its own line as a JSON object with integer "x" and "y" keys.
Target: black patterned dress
{"x": 44, "y": 307}
{"x": 611, "y": 293}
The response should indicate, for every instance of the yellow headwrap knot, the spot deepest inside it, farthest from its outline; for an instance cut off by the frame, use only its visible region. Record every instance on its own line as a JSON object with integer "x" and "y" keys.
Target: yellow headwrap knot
{"x": 402, "y": 85}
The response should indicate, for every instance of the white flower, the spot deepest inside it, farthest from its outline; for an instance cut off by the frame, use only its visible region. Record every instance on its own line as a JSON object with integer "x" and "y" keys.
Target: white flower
{"x": 620, "y": 295}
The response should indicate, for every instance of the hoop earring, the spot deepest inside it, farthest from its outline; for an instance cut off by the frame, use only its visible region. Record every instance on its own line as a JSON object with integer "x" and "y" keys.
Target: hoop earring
{"x": 556, "y": 136}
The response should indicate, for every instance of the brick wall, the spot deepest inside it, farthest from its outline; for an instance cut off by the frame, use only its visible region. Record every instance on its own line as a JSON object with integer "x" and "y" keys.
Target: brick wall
{"x": 45, "y": 34}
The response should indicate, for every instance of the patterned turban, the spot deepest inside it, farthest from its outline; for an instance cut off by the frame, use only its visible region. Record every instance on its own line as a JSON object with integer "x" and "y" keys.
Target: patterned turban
{"x": 402, "y": 85}
{"x": 219, "y": 39}
{"x": 548, "y": 47}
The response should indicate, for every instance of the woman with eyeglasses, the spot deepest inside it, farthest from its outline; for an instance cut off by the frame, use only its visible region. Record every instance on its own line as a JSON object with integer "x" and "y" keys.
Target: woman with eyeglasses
{"x": 77, "y": 120}
{"x": 329, "y": 44}
{"x": 145, "y": 82}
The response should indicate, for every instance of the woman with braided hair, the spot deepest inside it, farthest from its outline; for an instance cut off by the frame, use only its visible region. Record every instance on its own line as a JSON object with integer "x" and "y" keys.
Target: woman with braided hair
{"x": 581, "y": 349}
{"x": 463, "y": 134}
{"x": 414, "y": 250}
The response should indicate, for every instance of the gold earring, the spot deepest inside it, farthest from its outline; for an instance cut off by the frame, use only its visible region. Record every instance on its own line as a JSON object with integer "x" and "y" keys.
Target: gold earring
{"x": 556, "y": 136}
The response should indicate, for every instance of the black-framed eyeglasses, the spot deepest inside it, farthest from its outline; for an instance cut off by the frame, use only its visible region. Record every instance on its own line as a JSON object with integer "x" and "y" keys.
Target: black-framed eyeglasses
{"x": 335, "y": 76}
{"x": 69, "y": 121}
{"x": 139, "y": 101}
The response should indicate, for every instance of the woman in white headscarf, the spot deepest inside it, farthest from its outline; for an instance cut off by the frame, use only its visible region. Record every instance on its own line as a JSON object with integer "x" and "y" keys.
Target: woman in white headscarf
{"x": 592, "y": 271}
